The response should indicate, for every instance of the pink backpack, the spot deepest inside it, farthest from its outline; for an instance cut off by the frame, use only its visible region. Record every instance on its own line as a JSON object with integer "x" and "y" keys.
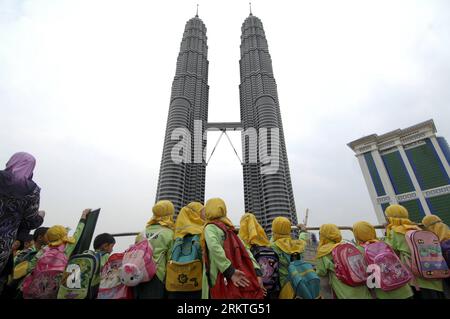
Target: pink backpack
{"x": 111, "y": 286}
{"x": 44, "y": 281}
{"x": 350, "y": 266}
{"x": 138, "y": 264}
{"x": 426, "y": 255}
{"x": 393, "y": 274}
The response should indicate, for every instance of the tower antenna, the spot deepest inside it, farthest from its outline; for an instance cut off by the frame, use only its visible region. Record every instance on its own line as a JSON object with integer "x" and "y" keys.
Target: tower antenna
{"x": 250, "y": 4}
{"x": 196, "y": 14}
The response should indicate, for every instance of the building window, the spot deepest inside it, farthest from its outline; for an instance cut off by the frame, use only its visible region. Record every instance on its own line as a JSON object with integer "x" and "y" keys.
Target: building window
{"x": 444, "y": 147}
{"x": 397, "y": 173}
{"x": 440, "y": 206}
{"x": 415, "y": 210}
{"x": 427, "y": 167}
{"x": 374, "y": 174}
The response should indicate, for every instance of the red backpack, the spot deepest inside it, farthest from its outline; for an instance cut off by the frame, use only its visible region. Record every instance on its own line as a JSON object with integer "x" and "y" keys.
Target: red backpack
{"x": 236, "y": 252}
{"x": 350, "y": 266}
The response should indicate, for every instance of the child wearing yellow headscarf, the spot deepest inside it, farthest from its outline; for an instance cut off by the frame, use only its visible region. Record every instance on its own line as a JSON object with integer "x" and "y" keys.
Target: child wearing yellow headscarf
{"x": 188, "y": 227}
{"x": 189, "y": 220}
{"x": 213, "y": 239}
{"x": 398, "y": 221}
{"x": 435, "y": 225}
{"x": 329, "y": 238}
{"x": 285, "y": 247}
{"x": 58, "y": 235}
{"x": 162, "y": 214}
{"x": 160, "y": 230}
{"x": 251, "y": 232}
{"x": 365, "y": 234}
{"x": 398, "y": 225}
{"x": 253, "y": 236}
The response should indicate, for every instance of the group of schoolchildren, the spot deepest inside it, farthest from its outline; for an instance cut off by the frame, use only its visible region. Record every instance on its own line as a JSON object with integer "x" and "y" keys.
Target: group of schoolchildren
{"x": 38, "y": 268}
{"x": 411, "y": 262}
{"x": 202, "y": 255}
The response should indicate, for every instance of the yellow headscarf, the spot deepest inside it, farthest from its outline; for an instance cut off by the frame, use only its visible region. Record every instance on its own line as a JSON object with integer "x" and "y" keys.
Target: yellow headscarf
{"x": 330, "y": 237}
{"x": 251, "y": 232}
{"x": 435, "y": 225}
{"x": 163, "y": 212}
{"x": 397, "y": 216}
{"x": 215, "y": 210}
{"x": 364, "y": 233}
{"x": 281, "y": 233}
{"x": 57, "y": 235}
{"x": 189, "y": 221}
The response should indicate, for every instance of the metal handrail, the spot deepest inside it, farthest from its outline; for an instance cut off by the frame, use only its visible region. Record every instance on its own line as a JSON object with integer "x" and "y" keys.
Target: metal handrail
{"x": 292, "y": 227}
{"x": 124, "y": 234}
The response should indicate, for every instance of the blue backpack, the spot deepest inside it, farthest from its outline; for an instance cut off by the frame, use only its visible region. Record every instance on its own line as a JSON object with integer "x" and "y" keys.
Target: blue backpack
{"x": 187, "y": 249}
{"x": 303, "y": 278}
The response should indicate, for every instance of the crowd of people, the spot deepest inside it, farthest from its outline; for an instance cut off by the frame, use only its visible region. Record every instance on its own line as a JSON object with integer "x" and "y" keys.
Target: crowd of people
{"x": 199, "y": 253}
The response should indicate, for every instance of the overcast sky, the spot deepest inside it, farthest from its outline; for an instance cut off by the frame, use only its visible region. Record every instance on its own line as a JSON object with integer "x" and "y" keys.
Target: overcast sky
{"x": 85, "y": 87}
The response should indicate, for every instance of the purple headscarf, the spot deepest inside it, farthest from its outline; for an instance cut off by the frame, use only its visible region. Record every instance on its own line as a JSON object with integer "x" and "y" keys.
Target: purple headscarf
{"x": 21, "y": 166}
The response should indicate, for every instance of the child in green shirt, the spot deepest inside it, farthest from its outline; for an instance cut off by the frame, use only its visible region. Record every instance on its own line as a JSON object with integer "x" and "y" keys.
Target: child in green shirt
{"x": 213, "y": 239}
{"x": 365, "y": 234}
{"x": 159, "y": 232}
{"x": 399, "y": 224}
{"x": 287, "y": 250}
{"x": 330, "y": 238}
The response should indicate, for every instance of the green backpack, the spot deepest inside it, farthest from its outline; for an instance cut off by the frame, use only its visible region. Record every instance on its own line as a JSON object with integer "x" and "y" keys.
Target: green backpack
{"x": 81, "y": 277}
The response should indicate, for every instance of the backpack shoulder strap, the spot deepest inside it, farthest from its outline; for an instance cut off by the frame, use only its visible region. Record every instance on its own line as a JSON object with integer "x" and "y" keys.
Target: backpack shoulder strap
{"x": 221, "y": 225}
{"x": 164, "y": 252}
{"x": 99, "y": 255}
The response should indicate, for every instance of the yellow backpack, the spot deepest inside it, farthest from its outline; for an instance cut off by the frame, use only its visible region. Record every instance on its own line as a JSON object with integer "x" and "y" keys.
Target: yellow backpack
{"x": 185, "y": 269}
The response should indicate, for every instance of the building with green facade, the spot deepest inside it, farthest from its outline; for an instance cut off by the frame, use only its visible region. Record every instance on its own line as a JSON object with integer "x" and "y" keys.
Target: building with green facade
{"x": 409, "y": 167}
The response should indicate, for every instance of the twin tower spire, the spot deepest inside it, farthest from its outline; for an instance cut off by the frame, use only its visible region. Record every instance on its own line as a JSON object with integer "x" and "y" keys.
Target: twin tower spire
{"x": 267, "y": 184}
{"x": 250, "y": 5}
